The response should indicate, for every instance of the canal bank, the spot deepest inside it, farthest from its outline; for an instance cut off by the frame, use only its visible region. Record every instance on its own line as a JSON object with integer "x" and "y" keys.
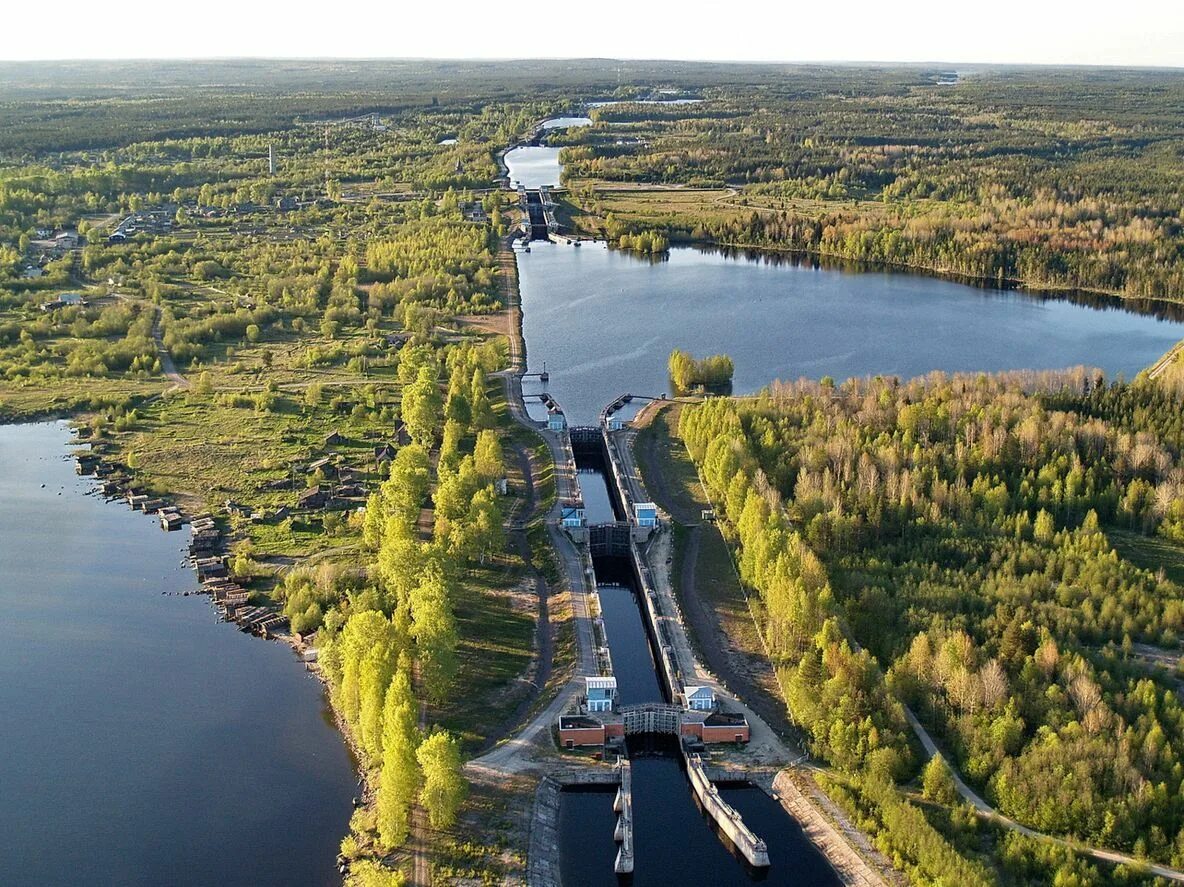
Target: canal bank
{"x": 532, "y": 750}
{"x": 598, "y": 321}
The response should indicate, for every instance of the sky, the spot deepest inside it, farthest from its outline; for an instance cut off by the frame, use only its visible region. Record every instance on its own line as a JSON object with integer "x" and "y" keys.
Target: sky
{"x": 1132, "y": 32}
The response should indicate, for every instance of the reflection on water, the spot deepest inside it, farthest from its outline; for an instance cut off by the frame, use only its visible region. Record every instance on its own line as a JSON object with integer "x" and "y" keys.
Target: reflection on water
{"x": 143, "y": 742}
{"x": 605, "y": 322}
{"x": 533, "y": 166}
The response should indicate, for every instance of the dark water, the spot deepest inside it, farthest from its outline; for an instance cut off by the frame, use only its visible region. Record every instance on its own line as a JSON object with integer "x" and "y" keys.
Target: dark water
{"x": 604, "y": 322}
{"x": 633, "y": 664}
{"x": 674, "y": 842}
{"x": 598, "y": 507}
{"x": 587, "y": 851}
{"x": 793, "y": 859}
{"x": 142, "y": 742}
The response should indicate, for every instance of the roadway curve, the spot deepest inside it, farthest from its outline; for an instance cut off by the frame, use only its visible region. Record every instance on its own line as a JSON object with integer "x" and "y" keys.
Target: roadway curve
{"x": 986, "y": 811}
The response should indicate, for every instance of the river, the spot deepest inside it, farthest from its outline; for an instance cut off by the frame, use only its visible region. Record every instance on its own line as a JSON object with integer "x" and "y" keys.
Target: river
{"x": 144, "y": 742}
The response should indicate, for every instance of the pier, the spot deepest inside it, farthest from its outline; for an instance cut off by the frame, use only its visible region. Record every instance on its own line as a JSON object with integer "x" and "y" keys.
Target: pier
{"x": 623, "y": 807}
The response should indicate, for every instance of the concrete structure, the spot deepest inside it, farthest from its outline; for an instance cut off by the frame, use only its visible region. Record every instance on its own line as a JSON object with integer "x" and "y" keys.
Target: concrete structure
{"x": 700, "y": 698}
{"x": 580, "y": 730}
{"x": 729, "y": 821}
{"x": 623, "y": 807}
{"x": 716, "y": 727}
{"x": 600, "y": 693}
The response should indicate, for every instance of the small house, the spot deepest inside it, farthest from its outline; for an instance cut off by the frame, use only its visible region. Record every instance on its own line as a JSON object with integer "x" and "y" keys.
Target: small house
{"x": 326, "y": 466}
{"x": 646, "y": 514}
{"x": 572, "y": 513}
{"x": 601, "y": 692}
{"x": 335, "y": 438}
{"x": 615, "y": 423}
{"x": 556, "y": 421}
{"x": 314, "y": 497}
{"x": 384, "y": 453}
{"x": 402, "y": 435}
{"x": 700, "y": 698}
{"x": 65, "y": 300}
{"x": 576, "y": 730}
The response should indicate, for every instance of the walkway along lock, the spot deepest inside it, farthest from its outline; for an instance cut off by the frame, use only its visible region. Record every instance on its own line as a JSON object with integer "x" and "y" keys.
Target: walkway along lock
{"x": 690, "y": 720}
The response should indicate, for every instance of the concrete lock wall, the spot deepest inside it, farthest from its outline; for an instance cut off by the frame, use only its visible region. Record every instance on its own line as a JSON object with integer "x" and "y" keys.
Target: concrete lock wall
{"x": 729, "y": 821}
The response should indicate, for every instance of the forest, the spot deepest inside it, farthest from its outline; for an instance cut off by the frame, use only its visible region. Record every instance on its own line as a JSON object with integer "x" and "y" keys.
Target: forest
{"x": 1053, "y": 179}
{"x": 230, "y": 323}
{"x": 946, "y": 543}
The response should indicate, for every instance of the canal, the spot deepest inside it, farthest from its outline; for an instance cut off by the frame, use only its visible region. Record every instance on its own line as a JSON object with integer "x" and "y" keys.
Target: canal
{"x": 144, "y": 742}
{"x": 674, "y": 841}
{"x": 603, "y": 322}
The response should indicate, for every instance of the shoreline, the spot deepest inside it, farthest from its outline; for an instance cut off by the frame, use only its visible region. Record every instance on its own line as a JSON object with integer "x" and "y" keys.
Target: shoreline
{"x": 859, "y": 266}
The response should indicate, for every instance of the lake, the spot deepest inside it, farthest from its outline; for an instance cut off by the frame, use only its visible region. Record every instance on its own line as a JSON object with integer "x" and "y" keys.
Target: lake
{"x": 144, "y": 742}
{"x": 605, "y": 321}
{"x": 533, "y": 166}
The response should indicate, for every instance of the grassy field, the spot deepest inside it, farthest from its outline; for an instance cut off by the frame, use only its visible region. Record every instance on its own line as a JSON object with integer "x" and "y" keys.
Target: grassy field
{"x": 1149, "y": 552}
{"x": 673, "y": 482}
{"x": 495, "y": 619}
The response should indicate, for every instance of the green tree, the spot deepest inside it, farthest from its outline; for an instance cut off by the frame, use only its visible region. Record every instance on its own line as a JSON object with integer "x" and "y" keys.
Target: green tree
{"x": 400, "y": 774}
{"x": 937, "y": 783}
{"x": 433, "y": 628}
{"x": 487, "y": 454}
{"x": 444, "y": 788}
{"x": 423, "y": 407}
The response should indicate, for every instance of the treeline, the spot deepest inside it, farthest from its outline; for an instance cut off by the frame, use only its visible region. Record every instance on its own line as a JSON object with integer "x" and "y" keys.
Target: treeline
{"x": 1147, "y": 264}
{"x": 387, "y": 636}
{"x": 1054, "y": 178}
{"x": 957, "y": 528}
{"x": 649, "y": 242}
{"x": 713, "y": 372}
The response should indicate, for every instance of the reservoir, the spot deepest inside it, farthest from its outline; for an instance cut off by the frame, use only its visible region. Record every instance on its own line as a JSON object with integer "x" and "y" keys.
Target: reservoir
{"x": 605, "y": 321}
{"x": 144, "y": 742}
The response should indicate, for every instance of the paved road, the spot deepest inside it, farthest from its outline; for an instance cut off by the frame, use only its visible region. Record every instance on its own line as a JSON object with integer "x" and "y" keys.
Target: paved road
{"x": 517, "y": 753}
{"x": 986, "y": 811}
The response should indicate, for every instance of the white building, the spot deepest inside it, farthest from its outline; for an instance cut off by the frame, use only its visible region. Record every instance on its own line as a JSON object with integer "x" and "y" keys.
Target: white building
{"x": 601, "y": 693}
{"x": 700, "y": 698}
